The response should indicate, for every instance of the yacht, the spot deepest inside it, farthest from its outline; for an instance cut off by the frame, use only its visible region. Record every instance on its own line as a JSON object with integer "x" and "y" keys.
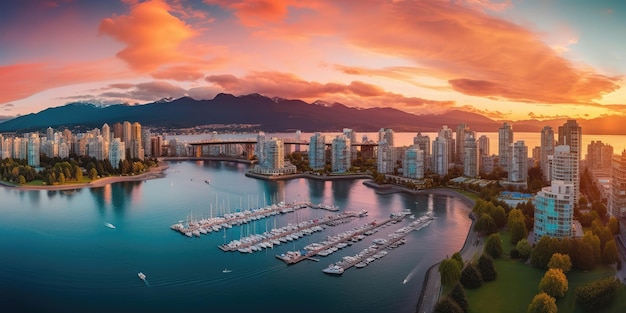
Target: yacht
{"x": 109, "y": 225}
{"x": 226, "y": 271}
{"x": 333, "y": 269}
{"x": 142, "y": 276}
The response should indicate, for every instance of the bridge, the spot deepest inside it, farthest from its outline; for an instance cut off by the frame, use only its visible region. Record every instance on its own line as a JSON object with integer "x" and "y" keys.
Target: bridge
{"x": 247, "y": 145}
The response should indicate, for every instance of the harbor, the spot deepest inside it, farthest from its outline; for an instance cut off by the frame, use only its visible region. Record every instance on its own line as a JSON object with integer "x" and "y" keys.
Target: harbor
{"x": 378, "y": 249}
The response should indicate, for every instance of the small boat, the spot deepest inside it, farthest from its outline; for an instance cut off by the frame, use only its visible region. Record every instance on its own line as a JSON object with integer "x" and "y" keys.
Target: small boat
{"x": 142, "y": 276}
{"x": 109, "y": 225}
{"x": 208, "y": 181}
{"x": 226, "y": 271}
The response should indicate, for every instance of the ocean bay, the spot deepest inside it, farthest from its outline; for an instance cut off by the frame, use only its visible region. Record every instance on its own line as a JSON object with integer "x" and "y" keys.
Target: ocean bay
{"x": 59, "y": 256}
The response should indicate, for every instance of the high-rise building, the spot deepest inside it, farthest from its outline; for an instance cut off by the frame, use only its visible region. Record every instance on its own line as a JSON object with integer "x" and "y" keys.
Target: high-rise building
{"x": 565, "y": 168}
{"x": 446, "y": 134}
{"x": 440, "y": 155}
{"x": 386, "y": 157}
{"x": 106, "y": 133}
{"x": 49, "y": 133}
{"x": 413, "y": 163}
{"x": 570, "y": 134}
{"x": 272, "y": 157}
{"x": 483, "y": 145}
{"x": 98, "y": 148}
{"x": 547, "y": 149}
{"x": 33, "y": 149}
{"x": 617, "y": 199}
{"x": 298, "y": 138}
{"x": 423, "y": 143}
{"x": 118, "y": 131}
{"x": 126, "y": 133}
{"x": 146, "y": 137}
{"x": 157, "y": 147}
{"x": 518, "y": 165}
{"x": 471, "y": 156}
{"x": 461, "y": 132}
{"x": 317, "y": 151}
{"x": 599, "y": 155}
{"x": 505, "y": 140}
{"x": 386, "y": 135}
{"x": 351, "y": 135}
{"x": 554, "y": 211}
{"x": 117, "y": 152}
{"x": 340, "y": 154}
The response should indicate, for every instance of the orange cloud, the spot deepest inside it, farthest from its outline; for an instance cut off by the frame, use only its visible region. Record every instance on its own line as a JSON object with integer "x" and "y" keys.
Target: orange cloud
{"x": 151, "y": 34}
{"x": 358, "y": 94}
{"x": 478, "y": 54}
{"x": 179, "y": 73}
{"x": 256, "y": 12}
{"x": 26, "y": 79}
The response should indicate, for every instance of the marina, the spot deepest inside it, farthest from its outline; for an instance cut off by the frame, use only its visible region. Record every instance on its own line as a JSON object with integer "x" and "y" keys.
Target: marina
{"x": 378, "y": 249}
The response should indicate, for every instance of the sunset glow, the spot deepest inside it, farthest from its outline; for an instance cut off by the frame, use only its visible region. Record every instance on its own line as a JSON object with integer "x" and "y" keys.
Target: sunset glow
{"x": 507, "y": 60}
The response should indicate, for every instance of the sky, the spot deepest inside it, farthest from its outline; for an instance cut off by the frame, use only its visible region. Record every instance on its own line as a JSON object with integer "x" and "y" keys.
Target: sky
{"x": 506, "y": 59}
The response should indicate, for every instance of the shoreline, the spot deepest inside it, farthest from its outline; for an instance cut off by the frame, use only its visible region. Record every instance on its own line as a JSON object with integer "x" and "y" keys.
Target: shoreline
{"x": 153, "y": 173}
{"x": 306, "y": 175}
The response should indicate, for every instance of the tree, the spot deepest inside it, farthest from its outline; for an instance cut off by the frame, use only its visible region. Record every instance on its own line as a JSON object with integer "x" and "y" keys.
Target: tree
{"x": 598, "y": 294}
{"x": 487, "y": 268}
{"x": 613, "y": 225}
{"x": 554, "y": 282}
{"x": 485, "y": 224}
{"x": 609, "y": 255}
{"x": 582, "y": 255}
{"x": 515, "y": 215}
{"x": 21, "y": 180}
{"x": 542, "y": 303}
{"x": 493, "y": 246}
{"x": 78, "y": 173}
{"x": 499, "y": 216}
{"x": 450, "y": 271}
{"x": 593, "y": 241}
{"x": 457, "y": 257}
{"x": 543, "y": 251}
{"x": 560, "y": 261}
{"x": 470, "y": 277}
{"x": 61, "y": 178}
{"x": 458, "y": 295}
{"x": 518, "y": 231}
{"x": 93, "y": 173}
{"x": 599, "y": 207}
{"x": 524, "y": 248}
{"x": 447, "y": 305}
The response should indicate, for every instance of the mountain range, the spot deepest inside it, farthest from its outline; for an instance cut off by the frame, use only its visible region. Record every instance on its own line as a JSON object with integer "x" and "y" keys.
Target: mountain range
{"x": 278, "y": 115}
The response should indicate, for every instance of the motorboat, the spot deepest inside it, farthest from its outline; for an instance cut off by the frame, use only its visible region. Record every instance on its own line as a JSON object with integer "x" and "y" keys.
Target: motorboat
{"x": 226, "y": 271}
{"x": 109, "y": 225}
{"x": 142, "y": 276}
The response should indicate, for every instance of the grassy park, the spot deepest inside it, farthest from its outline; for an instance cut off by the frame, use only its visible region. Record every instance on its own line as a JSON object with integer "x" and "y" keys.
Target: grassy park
{"x": 517, "y": 284}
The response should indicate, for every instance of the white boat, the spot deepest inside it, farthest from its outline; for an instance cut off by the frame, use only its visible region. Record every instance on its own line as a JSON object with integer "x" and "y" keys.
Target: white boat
{"x": 109, "y": 225}
{"x": 333, "y": 269}
{"x": 226, "y": 271}
{"x": 142, "y": 276}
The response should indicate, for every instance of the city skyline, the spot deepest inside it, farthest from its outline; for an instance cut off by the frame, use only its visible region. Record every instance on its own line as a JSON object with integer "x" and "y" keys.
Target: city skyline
{"x": 538, "y": 60}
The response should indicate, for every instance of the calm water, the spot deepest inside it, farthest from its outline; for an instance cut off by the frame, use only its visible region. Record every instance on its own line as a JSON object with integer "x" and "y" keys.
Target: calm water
{"x": 57, "y": 255}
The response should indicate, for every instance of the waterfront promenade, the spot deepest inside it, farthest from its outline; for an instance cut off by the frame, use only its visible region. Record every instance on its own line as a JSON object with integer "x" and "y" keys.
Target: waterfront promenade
{"x": 431, "y": 289}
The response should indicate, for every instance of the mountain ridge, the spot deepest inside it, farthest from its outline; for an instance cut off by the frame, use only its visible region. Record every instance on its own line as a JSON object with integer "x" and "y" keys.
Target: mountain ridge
{"x": 276, "y": 115}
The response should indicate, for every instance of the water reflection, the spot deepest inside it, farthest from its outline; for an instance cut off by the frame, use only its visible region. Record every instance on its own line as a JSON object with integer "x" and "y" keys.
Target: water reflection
{"x": 119, "y": 195}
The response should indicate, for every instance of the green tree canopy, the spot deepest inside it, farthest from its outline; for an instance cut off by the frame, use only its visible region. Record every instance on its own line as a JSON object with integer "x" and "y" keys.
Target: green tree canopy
{"x": 470, "y": 277}
{"x": 542, "y": 303}
{"x": 554, "y": 282}
{"x": 543, "y": 251}
{"x": 613, "y": 225}
{"x": 524, "y": 248}
{"x": 487, "y": 268}
{"x": 457, "y": 256}
{"x": 518, "y": 231}
{"x": 560, "y": 261}
{"x": 609, "y": 255}
{"x": 493, "y": 245}
{"x": 447, "y": 305}
{"x": 450, "y": 271}
{"x": 598, "y": 294}
{"x": 458, "y": 295}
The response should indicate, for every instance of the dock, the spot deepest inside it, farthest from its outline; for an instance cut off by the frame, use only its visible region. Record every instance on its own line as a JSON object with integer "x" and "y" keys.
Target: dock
{"x": 293, "y": 257}
{"x": 285, "y": 234}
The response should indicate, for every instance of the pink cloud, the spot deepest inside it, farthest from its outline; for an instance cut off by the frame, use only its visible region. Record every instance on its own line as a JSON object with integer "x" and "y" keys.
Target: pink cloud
{"x": 478, "y": 54}
{"x": 151, "y": 34}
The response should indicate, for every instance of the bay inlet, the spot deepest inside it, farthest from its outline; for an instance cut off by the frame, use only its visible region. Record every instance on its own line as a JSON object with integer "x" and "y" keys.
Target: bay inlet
{"x": 59, "y": 256}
